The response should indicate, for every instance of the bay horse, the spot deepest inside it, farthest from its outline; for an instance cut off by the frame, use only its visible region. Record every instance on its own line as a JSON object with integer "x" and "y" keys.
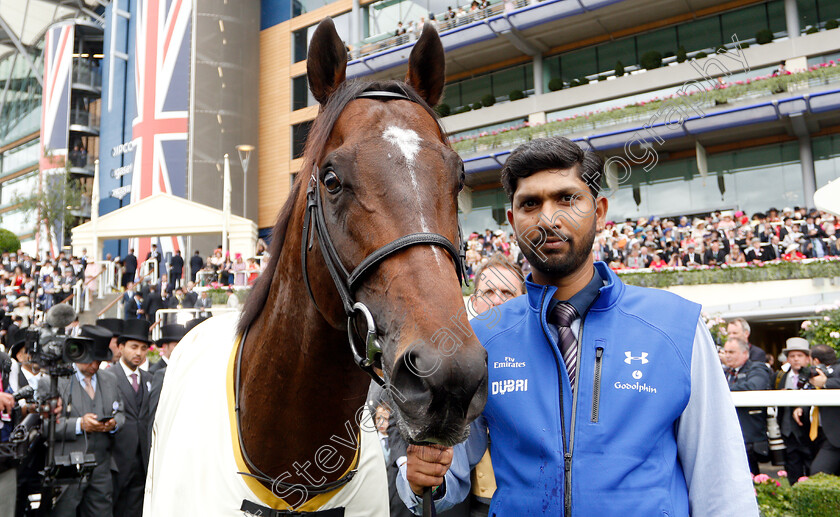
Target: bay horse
{"x": 263, "y": 415}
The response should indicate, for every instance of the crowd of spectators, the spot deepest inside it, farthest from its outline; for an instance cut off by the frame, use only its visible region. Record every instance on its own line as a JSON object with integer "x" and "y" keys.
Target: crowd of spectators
{"x": 717, "y": 239}
{"x": 56, "y": 280}
{"x": 721, "y": 238}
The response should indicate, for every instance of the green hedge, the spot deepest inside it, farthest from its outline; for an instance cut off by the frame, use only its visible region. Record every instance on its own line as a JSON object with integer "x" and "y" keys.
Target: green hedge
{"x": 816, "y": 496}
{"x": 734, "y": 275}
{"x": 9, "y": 242}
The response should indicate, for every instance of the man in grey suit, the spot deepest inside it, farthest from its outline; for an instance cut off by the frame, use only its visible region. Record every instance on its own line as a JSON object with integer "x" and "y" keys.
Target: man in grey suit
{"x": 131, "y": 452}
{"x": 88, "y": 399}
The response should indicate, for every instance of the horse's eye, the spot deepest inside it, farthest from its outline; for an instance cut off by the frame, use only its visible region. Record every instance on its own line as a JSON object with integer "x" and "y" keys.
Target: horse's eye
{"x": 332, "y": 183}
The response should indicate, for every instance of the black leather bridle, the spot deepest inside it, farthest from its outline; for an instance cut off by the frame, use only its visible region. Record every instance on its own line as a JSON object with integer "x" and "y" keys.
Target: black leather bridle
{"x": 347, "y": 282}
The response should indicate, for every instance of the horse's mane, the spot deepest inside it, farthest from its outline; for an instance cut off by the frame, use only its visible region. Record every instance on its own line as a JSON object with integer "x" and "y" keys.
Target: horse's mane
{"x": 315, "y": 143}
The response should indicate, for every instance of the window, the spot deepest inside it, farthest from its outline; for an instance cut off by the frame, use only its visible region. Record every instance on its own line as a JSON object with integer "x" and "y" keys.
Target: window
{"x": 299, "y": 134}
{"x": 301, "y": 96}
{"x": 622, "y": 50}
{"x": 302, "y": 37}
{"x": 828, "y": 9}
{"x": 304, "y": 6}
{"x": 663, "y": 41}
{"x": 744, "y": 22}
{"x": 299, "y": 44}
{"x": 701, "y": 34}
{"x": 577, "y": 64}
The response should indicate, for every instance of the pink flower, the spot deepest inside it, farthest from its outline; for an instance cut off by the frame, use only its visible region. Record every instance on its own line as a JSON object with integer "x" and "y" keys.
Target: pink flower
{"x": 778, "y": 484}
{"x": 761, "y": 478}
{"x": 806, "y": 325}
{"x": 803, "y": 478}
{"x": 782, "y": 473}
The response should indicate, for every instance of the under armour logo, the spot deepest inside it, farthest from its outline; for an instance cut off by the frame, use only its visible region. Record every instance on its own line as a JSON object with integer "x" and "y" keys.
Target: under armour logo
{"x": 630, "y": 358}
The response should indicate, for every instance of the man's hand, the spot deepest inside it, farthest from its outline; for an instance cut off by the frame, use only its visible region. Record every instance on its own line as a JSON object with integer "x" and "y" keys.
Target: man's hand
{"x": 426, "y": 466}
{"x": 91, "y": 425}
{"x": 797, "y": 415}
{"x": 818, "y": 380}
{"x": 7, "y": 402}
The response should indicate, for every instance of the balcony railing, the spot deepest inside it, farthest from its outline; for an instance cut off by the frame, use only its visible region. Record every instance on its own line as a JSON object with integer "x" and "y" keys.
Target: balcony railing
{"x": 87, "y": 73}
{"x": 81, "y": 117}
{"x": 443, "y": 21}
{"x": 80, "y": 159}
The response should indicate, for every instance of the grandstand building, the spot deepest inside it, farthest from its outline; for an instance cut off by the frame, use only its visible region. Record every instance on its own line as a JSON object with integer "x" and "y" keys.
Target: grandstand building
{"x": 698, "y": 105}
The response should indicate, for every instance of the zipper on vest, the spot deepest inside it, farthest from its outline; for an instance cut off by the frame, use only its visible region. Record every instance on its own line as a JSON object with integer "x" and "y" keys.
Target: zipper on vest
{"x": 567, "y": 456}
{"x": 596, "y": 384}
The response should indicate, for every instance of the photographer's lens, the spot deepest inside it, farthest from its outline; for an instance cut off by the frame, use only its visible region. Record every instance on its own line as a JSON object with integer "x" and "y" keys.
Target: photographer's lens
{"x": 74, "y": 351}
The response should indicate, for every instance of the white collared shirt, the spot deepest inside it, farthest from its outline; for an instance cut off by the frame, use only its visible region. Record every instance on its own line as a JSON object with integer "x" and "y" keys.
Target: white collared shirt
{"x": 128, "y": 372}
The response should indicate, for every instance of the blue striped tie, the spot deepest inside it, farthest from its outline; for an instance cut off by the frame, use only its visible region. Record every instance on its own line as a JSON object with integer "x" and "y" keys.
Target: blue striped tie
{"x": 562, "y": 316}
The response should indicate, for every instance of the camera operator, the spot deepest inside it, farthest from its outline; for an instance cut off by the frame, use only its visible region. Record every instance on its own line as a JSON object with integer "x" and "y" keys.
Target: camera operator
{"x": 794, "y": 422}
{"x": 25, "y": 372}
{"x": 8, "y": 474}
{"x": 825, "y": 374}
{"x": 92, "y": 413}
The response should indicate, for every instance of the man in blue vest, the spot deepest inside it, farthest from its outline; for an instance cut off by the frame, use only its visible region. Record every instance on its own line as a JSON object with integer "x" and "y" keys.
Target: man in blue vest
{"x": 603, "y": 399}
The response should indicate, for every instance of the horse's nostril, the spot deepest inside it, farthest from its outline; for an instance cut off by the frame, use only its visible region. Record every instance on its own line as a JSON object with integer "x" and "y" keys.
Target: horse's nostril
{"x": 425, "y": 382}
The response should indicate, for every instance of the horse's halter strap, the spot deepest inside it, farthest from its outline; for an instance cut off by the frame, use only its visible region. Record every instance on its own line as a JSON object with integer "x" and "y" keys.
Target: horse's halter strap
{"x": 347, "y": 282}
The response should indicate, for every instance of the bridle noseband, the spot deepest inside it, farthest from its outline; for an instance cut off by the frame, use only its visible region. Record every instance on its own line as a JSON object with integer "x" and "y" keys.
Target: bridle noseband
{"x": 347, "y": 282}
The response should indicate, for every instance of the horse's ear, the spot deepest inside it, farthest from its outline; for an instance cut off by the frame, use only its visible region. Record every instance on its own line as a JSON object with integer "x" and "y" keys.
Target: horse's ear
{"x": 326, "y": 63}
{"x": 427, "y": 66}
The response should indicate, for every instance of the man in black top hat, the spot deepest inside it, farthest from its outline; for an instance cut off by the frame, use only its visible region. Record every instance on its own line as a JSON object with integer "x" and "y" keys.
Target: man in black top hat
{"x": 89, "y": 398}
{"x": 115, "y": 325}
{"x": 131, "y": 454}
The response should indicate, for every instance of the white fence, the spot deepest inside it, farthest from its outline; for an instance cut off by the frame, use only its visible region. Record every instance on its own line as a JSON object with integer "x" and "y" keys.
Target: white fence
{"x": 786, "y": 398}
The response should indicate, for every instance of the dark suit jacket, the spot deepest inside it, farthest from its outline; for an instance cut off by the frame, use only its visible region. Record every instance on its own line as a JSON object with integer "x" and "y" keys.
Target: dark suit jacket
{"x": 132, "y": 440}
{"x": 692, "y": 257}
{"x": 787, "y": 424}
{"x": 130, "y": 263}
{"x": 752, "y": 376}
{"x": 719, "y": 257}
{"x": 758, "y": 355}
{"x": 157, "y": 256}
{"x": 151, "y": 304}
{"x": 830, "y": 415}
{"x": 771, "y": 252}
{"x": 189, "y": 299}
{"x": 76, "y": 403}
{"x": 154, "y": 396}
{"x": 131, "y": 310}
{"x": 154, "y": 367}
{"x": 176, "y": 266}
{"x": 196, "y": 263}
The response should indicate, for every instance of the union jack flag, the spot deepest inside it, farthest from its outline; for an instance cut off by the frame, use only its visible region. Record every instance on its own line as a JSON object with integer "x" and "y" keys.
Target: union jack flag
{"x": 162, "y": 49}
{"x": 55, "y": 119}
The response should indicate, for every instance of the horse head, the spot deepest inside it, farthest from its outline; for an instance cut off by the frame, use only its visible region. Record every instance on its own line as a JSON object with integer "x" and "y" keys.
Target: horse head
{"x": 386, "y": 171}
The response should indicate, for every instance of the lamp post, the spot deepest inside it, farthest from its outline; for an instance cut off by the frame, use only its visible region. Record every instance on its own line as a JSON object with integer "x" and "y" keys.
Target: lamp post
{"x": 244, "y": 151}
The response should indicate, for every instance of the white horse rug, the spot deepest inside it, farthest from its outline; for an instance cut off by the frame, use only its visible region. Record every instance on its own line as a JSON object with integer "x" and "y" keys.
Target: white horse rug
{"x": 195, "y": 458}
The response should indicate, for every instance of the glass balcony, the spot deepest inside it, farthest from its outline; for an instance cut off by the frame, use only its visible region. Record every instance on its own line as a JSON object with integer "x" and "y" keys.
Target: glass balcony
{"x": 85, "y": 121}
{"x": 87, "y": 74}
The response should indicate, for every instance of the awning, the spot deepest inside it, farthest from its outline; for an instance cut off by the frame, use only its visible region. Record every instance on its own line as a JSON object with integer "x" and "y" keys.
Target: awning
{"x": 162, "y": 215}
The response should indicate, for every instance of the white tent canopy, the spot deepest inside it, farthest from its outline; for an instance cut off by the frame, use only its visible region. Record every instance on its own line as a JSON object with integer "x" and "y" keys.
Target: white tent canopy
{"x": 161, "y": 215}
{"x": 827, "y": 198}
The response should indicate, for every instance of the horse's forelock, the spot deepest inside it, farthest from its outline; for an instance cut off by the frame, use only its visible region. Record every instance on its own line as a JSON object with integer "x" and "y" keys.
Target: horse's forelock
{"x": 317, "y": 139}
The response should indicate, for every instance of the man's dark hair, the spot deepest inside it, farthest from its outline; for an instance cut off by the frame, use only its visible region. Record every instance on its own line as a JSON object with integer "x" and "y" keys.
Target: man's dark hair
{"x": 824, "y": 353}
{"x": 551, "y": 153}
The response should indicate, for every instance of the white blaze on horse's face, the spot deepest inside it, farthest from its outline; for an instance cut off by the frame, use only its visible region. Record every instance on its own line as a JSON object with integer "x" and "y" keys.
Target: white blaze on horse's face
{"x": 408, "y": 142}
